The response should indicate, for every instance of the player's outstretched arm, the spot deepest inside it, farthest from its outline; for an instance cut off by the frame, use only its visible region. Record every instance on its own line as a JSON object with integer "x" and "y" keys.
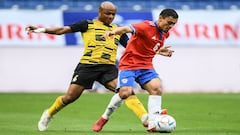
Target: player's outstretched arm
{"x": 118, "y": 31}
{"x": 53, "y": 30}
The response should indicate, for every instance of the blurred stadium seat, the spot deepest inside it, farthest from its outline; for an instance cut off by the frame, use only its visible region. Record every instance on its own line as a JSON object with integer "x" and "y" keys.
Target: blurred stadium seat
{"x": 123, "y": 5}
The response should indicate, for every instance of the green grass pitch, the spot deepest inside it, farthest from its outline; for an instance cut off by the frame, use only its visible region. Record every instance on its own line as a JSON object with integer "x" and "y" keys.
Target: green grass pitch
{"x": 196, "y": 114}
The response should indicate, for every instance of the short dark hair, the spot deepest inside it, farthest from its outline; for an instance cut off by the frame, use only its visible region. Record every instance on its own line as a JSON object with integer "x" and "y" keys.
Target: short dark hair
{"x": 169, "y": 12}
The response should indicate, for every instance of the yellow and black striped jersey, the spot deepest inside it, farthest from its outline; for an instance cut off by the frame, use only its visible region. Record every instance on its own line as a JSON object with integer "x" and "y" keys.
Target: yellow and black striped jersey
{"x": 98, "y": 50}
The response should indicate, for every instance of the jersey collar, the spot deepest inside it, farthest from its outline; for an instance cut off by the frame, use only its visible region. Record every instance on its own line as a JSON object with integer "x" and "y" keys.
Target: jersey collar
{"x": 159, "y": 30}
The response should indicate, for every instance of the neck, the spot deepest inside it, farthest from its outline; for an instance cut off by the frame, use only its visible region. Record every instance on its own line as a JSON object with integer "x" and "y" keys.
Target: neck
{"x": 159, "y": 29}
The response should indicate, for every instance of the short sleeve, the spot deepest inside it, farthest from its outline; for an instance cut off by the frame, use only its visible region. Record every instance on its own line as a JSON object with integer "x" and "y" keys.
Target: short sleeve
{"x": 80, "y": 26}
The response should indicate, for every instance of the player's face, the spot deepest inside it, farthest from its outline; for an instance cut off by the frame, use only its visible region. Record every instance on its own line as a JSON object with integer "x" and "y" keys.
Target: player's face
{"x": 106, "y": 15}
{"x": 166, "y": 23}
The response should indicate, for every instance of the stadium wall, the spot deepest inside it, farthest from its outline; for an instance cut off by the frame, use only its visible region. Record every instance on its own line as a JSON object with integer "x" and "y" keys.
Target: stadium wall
{"x": 206, "y": 58}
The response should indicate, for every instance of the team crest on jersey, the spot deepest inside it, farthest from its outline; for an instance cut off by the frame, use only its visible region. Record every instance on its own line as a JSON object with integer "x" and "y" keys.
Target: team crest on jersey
{"x": 154, "y": 38}
{"x": 124, "y": 80}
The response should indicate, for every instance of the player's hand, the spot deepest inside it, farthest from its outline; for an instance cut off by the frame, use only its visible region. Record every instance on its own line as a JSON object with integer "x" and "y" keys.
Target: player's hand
{"x": 107, "y": 34}
{"x": 165, "y": 51}
{"x": 30, "y": 29}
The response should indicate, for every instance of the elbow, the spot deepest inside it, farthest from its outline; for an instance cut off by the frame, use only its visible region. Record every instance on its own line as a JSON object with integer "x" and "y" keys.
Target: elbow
{"x": 61, "y": 31}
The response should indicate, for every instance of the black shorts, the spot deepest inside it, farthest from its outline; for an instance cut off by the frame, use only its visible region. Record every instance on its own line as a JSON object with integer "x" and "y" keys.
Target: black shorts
{"x": 86, "y": 74}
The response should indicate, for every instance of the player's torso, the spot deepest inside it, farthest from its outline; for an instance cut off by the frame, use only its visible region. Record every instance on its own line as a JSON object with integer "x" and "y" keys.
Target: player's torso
{"x": 99, "y": 50}
{"x": 142, "y": 47}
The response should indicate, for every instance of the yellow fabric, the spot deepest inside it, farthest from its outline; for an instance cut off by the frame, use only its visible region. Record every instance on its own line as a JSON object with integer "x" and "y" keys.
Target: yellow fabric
{"x": 57, "y": 106}
{"x": 136, "y": 106}
{"x": 99, "y": 50}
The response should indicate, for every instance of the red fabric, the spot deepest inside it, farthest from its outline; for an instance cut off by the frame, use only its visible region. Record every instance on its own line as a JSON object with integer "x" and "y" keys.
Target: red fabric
{"x": 142, "y": 46}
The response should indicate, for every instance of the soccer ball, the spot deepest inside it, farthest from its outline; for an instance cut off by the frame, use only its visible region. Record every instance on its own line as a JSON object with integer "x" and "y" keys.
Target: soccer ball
{"x": 165, "y": 124}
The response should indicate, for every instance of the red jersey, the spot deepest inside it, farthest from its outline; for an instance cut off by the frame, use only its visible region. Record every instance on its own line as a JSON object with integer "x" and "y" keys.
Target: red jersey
{"x": 146, "y": 40}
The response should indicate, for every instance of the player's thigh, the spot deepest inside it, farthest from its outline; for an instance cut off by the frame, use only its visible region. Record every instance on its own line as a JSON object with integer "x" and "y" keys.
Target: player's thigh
{"x": 125, "y": 84}
{"x": 126, "y": 78}
{"x": 85, "y": 75}
{"x": 111, "y": 85}
{"x": 108, "y": 76}
{"x": 154, "y": 86}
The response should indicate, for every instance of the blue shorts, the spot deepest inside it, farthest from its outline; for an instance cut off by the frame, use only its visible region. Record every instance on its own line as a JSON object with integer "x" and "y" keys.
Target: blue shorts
{"x": 142, "y": 76}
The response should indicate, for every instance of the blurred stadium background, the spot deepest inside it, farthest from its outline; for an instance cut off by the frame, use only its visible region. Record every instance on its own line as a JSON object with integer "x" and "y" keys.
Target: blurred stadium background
{"x": 124, "y": 5}
{"x": 206, "y": 42}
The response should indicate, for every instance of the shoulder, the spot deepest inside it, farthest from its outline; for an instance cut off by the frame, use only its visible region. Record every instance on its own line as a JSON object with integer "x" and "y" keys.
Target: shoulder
{"x": 83, "y": 22}
{"x": 143, "y": 26}
{"x": 145, "y": 23}
{"x": 149, "y": 23}
{"x": 81, "y": 26}
{"x": 89, "y": 21}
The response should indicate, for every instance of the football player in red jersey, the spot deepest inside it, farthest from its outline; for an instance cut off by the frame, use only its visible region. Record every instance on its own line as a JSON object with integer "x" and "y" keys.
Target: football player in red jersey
{"x": 136, "y": 63}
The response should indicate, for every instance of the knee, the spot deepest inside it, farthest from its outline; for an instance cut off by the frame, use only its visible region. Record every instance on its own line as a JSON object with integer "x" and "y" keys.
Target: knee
{"x": 156, "y": 91}
{"x": 111, "y": 85}
{"x": 125, "y": 92}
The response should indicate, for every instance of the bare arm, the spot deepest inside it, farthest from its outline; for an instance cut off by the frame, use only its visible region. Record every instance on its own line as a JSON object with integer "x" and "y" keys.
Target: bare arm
{"x": 119, "y": 31}
{"x": 54, "y": 30}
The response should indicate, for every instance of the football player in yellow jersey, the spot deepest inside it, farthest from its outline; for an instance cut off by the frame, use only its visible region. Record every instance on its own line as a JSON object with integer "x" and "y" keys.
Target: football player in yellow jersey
{"x": 96, "y": 64}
